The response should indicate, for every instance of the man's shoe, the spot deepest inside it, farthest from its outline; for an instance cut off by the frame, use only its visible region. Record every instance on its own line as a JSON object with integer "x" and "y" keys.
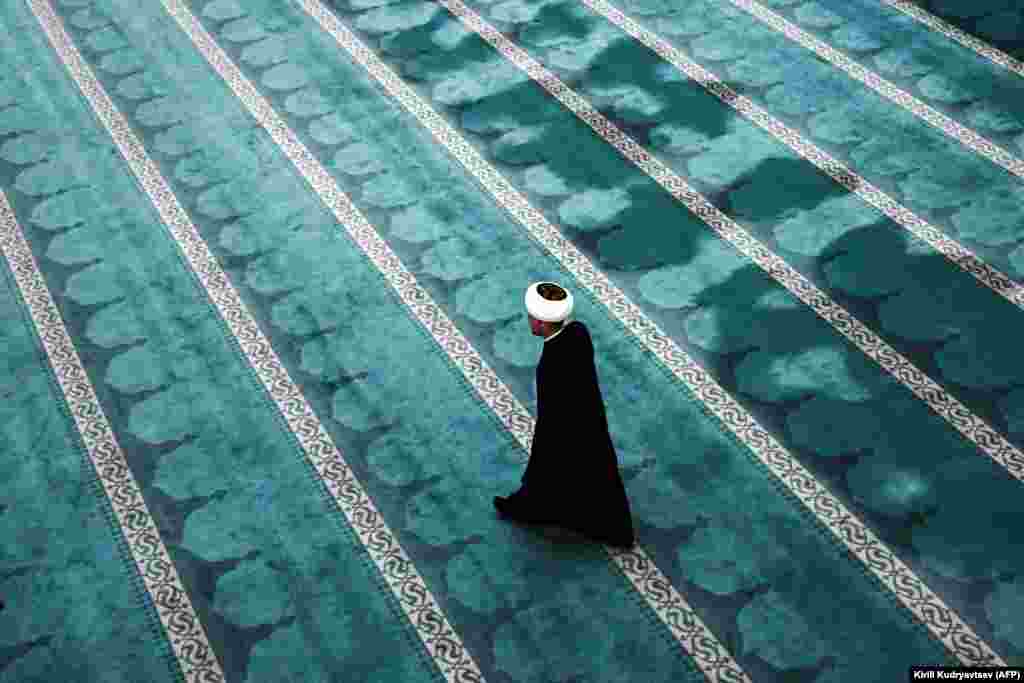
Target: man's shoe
{"x": 517, "y": 507}
{"x": 507, "y": 505}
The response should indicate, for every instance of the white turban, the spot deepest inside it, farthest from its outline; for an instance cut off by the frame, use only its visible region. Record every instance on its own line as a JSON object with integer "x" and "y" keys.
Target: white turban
{"x": 543, "y": 309}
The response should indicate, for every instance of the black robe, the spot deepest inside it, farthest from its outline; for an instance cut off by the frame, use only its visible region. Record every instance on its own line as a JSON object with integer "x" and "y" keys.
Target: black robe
{"x": 573, "y": 474}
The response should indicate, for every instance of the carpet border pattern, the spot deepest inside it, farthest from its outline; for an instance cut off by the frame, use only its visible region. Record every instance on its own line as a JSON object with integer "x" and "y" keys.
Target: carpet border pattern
{"x": 988, "y": 275}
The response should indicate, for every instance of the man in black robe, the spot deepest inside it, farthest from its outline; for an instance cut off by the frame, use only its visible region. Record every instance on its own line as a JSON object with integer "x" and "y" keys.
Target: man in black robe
{"x": 572, "y": 478}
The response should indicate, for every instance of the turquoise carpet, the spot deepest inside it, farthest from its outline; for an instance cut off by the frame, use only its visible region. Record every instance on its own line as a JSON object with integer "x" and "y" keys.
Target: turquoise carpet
{"x": 311, "y": 413}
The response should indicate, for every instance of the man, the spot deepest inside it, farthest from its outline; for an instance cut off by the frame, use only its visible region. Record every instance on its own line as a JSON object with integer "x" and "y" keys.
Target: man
{"x": 572, "y": 478}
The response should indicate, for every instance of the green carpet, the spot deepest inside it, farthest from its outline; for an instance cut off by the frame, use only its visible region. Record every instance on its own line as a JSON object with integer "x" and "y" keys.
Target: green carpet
{"x": 283, "y": 586}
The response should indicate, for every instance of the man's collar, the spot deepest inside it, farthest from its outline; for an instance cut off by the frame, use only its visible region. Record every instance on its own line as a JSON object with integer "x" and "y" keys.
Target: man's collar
{"x": 560, "y": 330}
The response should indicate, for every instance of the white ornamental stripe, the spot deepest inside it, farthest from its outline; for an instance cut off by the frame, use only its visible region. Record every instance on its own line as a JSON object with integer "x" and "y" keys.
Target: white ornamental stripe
{"x": 713, "y": 659}
{"x": 181, "y": 624}
{"x": 958, "y": 254}
{"x": 974, "y": 428}
{"x": 994, "y": 55}
{"x": 908, "y": 588}
{"x": 962, "y": 134}
{"x": 442, "y": 643}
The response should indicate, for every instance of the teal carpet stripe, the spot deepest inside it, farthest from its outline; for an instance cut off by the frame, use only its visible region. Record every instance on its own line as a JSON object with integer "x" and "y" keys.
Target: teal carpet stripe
{"x": 1001, "y": 24}
{"x": 70, "y": 586}
{"x": 980, "y": 145}
{"x": 957, "y": 253}
{"x": 923, "y": 62}
{"x": 870, "y": 440}
{"x": 282, "y": 586}
{"x": 964, "y": 195}
{"x": 428, "y": 449}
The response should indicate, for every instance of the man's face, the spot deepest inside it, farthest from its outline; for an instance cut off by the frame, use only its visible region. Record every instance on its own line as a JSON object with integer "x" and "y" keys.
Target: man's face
{"x": 536, "y": 326}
